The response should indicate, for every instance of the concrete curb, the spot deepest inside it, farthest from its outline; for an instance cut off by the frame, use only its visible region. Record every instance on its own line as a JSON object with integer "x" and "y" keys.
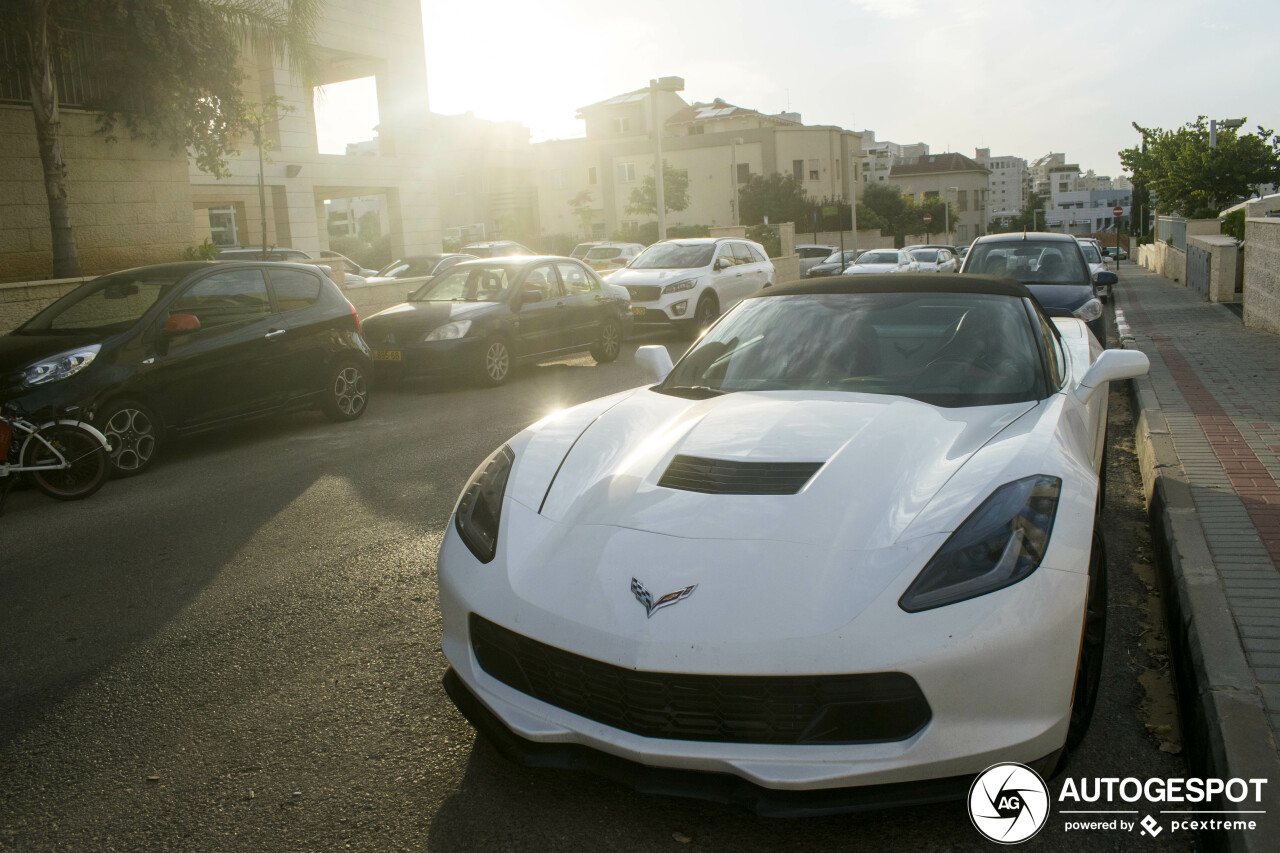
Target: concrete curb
{"x": 1225, "y": 726}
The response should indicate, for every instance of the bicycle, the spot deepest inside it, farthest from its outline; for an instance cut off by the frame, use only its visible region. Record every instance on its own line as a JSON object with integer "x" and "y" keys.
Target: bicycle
{"x": 65, "y": 457}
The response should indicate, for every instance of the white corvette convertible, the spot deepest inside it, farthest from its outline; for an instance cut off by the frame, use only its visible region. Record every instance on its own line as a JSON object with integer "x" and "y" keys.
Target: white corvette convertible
{"x": 843, "y": 554}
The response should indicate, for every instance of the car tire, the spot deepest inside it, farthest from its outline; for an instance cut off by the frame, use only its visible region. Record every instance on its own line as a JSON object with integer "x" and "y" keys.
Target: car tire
{"x": 1092, "y": 642}
{"x": 608, "y": 346}
{"x": 494, "y": 362}
{"x": 347, "y": 395}
{"x": 135, "y": 435}
{"x": 704, "y": 315}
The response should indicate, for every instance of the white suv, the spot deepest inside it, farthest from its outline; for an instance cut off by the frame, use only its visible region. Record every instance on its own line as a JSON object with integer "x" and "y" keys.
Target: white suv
{"x": 690, "y": 282}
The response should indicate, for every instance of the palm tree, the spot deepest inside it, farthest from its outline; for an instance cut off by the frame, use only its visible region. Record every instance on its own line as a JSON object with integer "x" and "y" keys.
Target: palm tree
{"x": 283, "y": 29}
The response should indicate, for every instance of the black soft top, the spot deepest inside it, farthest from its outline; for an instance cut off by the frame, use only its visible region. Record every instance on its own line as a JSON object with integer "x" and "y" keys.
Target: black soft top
{"x": 900, "y": 283}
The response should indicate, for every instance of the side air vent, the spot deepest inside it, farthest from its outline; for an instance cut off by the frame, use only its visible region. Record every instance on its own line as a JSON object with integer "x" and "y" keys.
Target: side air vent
{"x": 727, "y": 477}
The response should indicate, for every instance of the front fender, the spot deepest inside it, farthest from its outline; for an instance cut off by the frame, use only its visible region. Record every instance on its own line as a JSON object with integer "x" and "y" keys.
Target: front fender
{"x": 84, "y": 425}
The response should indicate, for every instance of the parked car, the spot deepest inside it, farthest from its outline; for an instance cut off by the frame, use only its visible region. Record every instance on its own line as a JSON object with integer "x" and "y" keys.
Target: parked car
{"x": 935, "y": 260}
{"x": 1097, "y": 264}
{"x": 352, "y": 277}
{"x": 417, "y": 267}
{"x": 880, "y": 261}
{"x": 497, "y": 249}
{"x": 1117, "y": 252}
{"x": 352, "y": 266}
{"x": 811, "y": 255}
{"x": 833, "y": 264}
{"x": 179, "y": 348}
{"x": 607, "y": 257}
{"x": 1053, "y": 268}
{"x": 481, "y": 317}
{"x": 580, "y": 250}
{"x": 689, "y": 282}
{"x": 846, "y": 553}
{"x": 961, "y": 252}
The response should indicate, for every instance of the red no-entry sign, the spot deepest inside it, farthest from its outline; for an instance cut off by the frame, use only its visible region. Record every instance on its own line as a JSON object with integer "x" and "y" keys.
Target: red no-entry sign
{"x": 928, "y": 217}
{"x": 1117, "y": 211}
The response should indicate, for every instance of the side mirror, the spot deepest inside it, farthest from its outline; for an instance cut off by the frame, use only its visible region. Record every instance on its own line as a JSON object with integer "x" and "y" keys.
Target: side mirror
{"x": 1111, "y": 366}
{"x": 529, "y": 297}
{"x": 178, "y": 323}
{"x": 722, "y": 263}
{"x": 1105, "y": 278}
{"x": 657, "y": 359}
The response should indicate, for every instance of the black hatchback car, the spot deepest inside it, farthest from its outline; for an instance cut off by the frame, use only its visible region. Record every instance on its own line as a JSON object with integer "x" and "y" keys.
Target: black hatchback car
{"x": 184, "y": 347}
{"x": 482, "y": 316}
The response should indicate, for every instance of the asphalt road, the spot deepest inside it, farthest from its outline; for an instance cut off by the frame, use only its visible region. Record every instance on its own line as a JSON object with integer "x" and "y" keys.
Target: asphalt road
{"x": 240, "y": 651}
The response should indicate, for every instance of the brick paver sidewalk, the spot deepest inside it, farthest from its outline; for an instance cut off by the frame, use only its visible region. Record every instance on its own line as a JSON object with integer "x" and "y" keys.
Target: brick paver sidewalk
{"x": 1218, "y": 385}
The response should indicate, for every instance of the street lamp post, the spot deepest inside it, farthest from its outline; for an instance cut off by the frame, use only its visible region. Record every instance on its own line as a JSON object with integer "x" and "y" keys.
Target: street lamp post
{"x": 662, "y": 84}
{"x": 1231, "y": 123}
{"x": 737, "y": 215}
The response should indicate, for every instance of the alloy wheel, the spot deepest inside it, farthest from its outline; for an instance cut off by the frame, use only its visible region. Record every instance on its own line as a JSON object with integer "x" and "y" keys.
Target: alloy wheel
{"x": 349, "y": 391}
{"x": 610, "y": 341}
{"x": 497, "y": 361}
{"x": 133, "y": 439}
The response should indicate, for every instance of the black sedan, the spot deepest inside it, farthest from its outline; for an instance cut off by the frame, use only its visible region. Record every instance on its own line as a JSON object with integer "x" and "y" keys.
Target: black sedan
{"x": 185, "y": 347}
{"x": 482, "y": 316}
{"x": 834, "y": 264}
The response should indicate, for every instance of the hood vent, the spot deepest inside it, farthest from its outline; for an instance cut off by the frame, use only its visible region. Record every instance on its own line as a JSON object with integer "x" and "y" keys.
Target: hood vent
{"x": 727, "y": 477}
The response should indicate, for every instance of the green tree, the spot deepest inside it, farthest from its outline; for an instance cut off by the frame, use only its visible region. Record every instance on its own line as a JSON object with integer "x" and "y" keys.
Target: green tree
{"x": 779, "y": 197}
{"x": 675, "y": 193}
{"x": 581, "y": 205}
{"x": 1193, "y": 179}
{"x": 163, "y": 70}
{"x": 257, "y": 116}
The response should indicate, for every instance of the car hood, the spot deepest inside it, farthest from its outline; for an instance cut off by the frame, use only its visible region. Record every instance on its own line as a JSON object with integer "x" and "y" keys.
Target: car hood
{"x": 626, "y": 275}
{"x": 1059, "y": 300}
{"x": 882, "y": 460}
{"x": 424, "y": 316}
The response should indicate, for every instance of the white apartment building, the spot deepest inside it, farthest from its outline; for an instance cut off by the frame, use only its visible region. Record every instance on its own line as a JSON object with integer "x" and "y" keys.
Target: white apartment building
{"x": 1087, "y": 211}
{"x": 585, "y": 185}
{"x": 879, "y": 158}
{"x": 1007, "y": 185}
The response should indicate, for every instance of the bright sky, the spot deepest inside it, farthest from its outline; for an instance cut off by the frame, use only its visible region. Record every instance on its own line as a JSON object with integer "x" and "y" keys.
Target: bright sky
{"x": 1021, "y": 77}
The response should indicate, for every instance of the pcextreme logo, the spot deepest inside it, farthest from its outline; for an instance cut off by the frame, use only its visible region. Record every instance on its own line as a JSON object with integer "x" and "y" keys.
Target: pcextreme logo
{"x": 1009, "y": 803}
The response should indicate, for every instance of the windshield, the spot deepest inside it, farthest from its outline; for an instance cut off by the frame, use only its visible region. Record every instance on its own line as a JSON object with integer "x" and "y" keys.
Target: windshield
{"x": 580, "y": 251}
{"x": 877, "y": 258}
{"x": 109, "y": 304}
{"x": 1029, "y": 261}
{"x": 925, "y": 256}
{"x": 840, "y": 257}
{"x": 603, "y": 253}
{"x": 941, "y": 348}
{"x": 480, "y": 283}
{"x": 670, "y": 256}
{"x": 1091, "y": 255}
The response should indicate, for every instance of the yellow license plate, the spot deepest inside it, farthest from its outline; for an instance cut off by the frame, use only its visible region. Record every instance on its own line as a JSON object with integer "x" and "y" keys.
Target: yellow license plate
{"x": 637, "y": 310}
{"x": 387, "y": 355}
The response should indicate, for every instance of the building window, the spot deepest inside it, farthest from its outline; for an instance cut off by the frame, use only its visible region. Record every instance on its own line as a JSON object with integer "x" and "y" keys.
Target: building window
{"x": 744, "y": 172}
{"x": 697, "y": 130}
{"x": 629, "y": 225}
{"x": 558, "y": 179}
{"x": 622, "y": 124}
{"x": 797, "y": 169}
{"x": 626, "y": 173}
{"x": 591, "y": 176}
{"x": 962, "y": 199}
{"x": 962, "y": 233}
{"x": 1062, "y": 186}
{"x": 222, "y": 226}
{"x": 813, "y": 170}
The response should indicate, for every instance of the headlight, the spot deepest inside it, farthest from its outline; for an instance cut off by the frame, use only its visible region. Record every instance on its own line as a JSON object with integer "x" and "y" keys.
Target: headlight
{"x": 480, "y": 507}
{"x": 687, "y": 284}
{"x": 999, "y": 544}
{"x": 60, "y": 366}
{"x": 1089, "y": 311}
{"x": 449, "y": 331}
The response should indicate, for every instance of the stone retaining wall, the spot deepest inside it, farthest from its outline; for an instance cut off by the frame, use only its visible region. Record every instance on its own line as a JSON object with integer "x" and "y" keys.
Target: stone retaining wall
{"x": 1262, "y": 274}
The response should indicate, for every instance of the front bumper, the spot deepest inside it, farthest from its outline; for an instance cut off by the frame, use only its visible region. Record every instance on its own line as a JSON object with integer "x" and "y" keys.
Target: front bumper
{"x": 436, "y": 358}
{"x": 997, "y": 671}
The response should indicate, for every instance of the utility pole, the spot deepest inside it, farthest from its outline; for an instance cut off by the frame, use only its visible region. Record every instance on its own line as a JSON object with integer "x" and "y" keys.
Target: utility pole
{"x": 662, "y": 84}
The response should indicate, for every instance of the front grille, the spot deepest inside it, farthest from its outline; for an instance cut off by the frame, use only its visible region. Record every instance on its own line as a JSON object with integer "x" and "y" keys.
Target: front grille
{"x": 644, "y": 293}
{"x": 792, "y": 709}
{"x": 728, "y": 477}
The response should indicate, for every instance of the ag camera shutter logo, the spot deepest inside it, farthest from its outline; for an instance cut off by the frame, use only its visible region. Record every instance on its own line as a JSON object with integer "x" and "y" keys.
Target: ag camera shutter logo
{"x": 1008, "y": 803}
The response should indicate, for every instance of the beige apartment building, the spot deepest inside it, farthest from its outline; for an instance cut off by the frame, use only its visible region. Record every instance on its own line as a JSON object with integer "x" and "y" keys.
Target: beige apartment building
{"x": 132, "y": 203}
{"x": 961, "y": 181}
{"x": 486, "y": 174}
{"x": 585, "y": 185}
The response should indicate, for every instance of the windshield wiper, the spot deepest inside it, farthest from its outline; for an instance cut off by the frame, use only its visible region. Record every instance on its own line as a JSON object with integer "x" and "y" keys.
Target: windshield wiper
{"x": 693, "y": 392}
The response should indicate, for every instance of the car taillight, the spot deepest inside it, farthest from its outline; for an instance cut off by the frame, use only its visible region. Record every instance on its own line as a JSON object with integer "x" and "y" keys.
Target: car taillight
{"x": 355, "y": 314}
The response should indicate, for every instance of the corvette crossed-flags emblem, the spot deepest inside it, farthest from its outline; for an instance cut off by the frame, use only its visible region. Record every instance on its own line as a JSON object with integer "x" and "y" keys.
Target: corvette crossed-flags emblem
{"x": 650, "y": 606}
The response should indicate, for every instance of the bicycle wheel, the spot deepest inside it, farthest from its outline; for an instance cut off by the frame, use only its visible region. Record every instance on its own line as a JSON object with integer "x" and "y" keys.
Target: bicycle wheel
{"x": 89, "y": 464}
